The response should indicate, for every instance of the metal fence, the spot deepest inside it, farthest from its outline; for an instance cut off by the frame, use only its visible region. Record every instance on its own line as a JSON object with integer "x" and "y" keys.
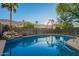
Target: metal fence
{"x": 31, "y": 31}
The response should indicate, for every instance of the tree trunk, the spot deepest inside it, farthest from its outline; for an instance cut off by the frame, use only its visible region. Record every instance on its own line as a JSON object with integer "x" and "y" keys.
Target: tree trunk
{"x": 11, "y": 18}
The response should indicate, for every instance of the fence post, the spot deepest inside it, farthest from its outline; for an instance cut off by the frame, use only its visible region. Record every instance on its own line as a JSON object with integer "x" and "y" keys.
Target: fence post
{"x": 1, "y": 30}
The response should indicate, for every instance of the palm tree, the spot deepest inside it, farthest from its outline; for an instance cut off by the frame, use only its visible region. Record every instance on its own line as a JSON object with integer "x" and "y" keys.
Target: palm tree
{"x": 36, "y": 22}
{"x": 23, "y": 23}
{"x": 51, "y": 21}
{"x": 11, "y": 8}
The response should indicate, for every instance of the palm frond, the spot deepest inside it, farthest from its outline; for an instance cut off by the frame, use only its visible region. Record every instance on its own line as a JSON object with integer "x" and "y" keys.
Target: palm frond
{"x": 10, "y": 6}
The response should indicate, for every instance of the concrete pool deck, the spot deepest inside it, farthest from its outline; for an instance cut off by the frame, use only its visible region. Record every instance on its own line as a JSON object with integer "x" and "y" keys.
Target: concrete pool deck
{"x": 2, "y": 45}
{"x": 74, "y": 43}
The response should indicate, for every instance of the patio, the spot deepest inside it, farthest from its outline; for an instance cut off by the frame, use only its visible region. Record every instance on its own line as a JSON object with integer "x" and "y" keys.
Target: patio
{"x": 2, "y": 45}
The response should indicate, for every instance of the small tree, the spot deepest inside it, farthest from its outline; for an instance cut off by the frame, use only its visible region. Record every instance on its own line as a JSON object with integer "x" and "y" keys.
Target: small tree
{"x": 28, "y": 25}
{"x": 71, "y": 10}
{"x": 6, "y": 28}
{"x": 65, "y": 25}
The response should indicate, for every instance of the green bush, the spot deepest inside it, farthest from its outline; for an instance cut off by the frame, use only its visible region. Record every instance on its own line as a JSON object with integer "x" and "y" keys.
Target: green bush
{"x": 28, "y": 25}
{"x": 65, "y": 25}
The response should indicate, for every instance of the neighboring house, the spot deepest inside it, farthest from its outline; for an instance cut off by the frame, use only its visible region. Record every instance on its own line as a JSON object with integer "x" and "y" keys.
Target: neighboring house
{"x": 41, "y": 26}
{"x": 45, "y": 26}
{"x": 18, "y": 24}
{"x": 50, "y": 25}
{"x": 4, "y": 22}
{"x": 14, "y": 23}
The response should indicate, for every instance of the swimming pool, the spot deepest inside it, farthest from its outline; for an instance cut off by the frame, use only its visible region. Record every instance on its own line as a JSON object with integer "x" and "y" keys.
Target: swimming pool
{"x": 42, "y": 45}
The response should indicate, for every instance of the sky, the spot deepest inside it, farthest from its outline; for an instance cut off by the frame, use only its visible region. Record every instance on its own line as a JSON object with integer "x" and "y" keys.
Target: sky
{"x": 40, "y": 12}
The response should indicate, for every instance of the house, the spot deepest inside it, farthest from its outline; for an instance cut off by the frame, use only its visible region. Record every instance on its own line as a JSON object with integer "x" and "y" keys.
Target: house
{"x": 50, "y": 24}
{"x": 14, "y": 23}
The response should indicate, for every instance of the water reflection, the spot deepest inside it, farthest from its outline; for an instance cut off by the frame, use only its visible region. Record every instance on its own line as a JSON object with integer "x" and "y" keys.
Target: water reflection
{"x": 53, "y": 40}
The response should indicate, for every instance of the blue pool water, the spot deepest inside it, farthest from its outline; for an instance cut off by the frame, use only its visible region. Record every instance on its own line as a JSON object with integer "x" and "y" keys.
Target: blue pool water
{"x": 39, "y": 46}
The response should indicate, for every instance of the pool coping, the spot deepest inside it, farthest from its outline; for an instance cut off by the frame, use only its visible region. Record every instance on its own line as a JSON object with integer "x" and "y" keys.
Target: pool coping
{"x": 72, "y": 45}
{"x": 38, "y": 35}
{"x": 2, "y": 45}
